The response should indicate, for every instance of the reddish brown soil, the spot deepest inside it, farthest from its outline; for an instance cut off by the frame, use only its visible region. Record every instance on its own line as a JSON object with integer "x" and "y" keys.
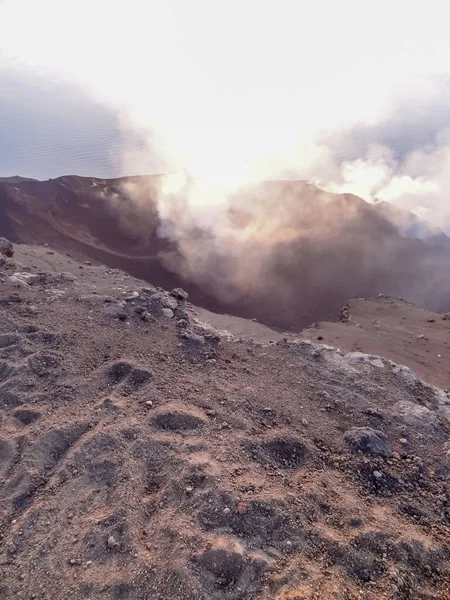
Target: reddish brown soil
{"x": 141, "y": 461}
{"x": 399, "y": 330}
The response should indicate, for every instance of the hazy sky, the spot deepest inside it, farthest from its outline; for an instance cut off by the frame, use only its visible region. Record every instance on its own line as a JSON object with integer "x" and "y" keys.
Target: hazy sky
{"x": 353, "y": 94}
{"x": 50, "y": 127}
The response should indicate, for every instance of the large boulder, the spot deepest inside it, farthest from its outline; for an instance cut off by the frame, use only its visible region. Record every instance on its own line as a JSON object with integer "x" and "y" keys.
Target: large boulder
{"x": 6, "y": 247}
{"x": 367, "y": 440}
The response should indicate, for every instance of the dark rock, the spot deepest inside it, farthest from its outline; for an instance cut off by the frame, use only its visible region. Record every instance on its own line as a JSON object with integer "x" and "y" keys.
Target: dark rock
{"x": 367, "y": 440}
{"x": 147, "y": 317}
{"x": 179, "y": 294}
{"x": 112, "y": 543}
{"x": 192, "y": 338}
{"x": 6, "y": 247}
{"x": 162, "y": 300}
{"x": 344, "y": 314}
{"x": 115, "y": 311}
{"x": 181, "y": 312}
{"x": 364, "y": 575}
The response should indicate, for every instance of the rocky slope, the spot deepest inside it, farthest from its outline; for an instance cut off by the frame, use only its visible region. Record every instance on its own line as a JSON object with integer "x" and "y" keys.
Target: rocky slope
{"x": 396, "y": 329}
{"x": 309, "y": 252}
{"x": 144, "y": 455}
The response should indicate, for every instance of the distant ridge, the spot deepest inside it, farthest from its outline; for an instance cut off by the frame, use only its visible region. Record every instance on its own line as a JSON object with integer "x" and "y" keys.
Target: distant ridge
{"x": 16, "y": 179}
{"x": 327, "y": 248}
{"x": 411, "y": 225}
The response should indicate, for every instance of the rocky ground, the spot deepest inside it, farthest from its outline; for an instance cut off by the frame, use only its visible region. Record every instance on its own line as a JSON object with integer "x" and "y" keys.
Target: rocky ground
{"x": 145, "y": 454}
{"x": 395, "y": 328}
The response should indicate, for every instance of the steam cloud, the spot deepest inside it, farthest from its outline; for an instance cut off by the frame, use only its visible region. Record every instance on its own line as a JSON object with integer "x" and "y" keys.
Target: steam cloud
{"x": 225, "y": 96}
{"x": 285, "y": 252}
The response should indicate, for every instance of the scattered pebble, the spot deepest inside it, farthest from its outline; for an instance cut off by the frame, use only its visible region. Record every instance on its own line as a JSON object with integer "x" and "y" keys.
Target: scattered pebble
{"x": 112, "y": 543}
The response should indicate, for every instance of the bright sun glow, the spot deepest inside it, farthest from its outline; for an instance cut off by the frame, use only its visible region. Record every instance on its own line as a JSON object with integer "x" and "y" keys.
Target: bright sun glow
{"x": 236, "y": 90}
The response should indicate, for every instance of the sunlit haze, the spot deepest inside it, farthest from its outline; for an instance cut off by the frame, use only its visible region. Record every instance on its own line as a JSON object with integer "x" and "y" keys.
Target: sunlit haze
{"x": 235, "y": 91}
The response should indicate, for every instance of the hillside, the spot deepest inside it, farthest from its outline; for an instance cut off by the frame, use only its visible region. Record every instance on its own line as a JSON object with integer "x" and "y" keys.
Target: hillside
{"x": 410, "y": 225}
{"x": 308, "y": 253}
{"x": 15, "y": 179}
{"x": 146, "y": 455}
{"x": 394, "y": 328}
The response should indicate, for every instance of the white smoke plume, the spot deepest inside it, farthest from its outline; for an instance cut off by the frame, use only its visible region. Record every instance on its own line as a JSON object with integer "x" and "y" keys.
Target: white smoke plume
{"x": 238, "y": 91}
{"x": 225, "y": 95}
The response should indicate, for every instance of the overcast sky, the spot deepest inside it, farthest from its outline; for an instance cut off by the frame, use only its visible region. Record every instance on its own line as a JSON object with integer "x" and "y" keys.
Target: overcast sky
{"x": 352, "y": 94}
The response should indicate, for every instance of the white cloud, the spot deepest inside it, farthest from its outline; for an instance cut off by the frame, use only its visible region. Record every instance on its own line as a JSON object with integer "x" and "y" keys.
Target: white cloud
{"x": 238, "y": 90}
